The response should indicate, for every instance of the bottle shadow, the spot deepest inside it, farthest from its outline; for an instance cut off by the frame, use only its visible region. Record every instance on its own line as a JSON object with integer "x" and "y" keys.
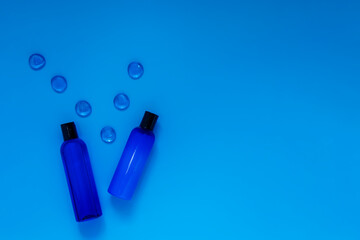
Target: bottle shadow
{"x": 124, "y": 207}
{"x": 92, "y": 228}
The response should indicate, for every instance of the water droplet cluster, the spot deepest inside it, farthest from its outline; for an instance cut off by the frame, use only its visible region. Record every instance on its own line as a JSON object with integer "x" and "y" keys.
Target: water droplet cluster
{"x": 83, "y": 108}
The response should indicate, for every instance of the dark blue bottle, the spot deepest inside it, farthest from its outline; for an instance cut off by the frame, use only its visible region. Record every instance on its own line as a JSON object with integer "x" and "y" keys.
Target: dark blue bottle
{"x": 133, "y": 159}
{"x": 79, "y": 175}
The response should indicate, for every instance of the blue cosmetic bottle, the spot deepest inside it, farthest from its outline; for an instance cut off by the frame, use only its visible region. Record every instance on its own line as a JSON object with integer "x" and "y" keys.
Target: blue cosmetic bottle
{"x": 133, "y": 159}
{"x": 79, "y": 175}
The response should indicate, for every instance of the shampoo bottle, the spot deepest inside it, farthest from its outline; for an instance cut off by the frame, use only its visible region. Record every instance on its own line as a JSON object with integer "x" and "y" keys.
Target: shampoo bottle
{"x": 133, "y": 158}
{"x": 79, "y": 175}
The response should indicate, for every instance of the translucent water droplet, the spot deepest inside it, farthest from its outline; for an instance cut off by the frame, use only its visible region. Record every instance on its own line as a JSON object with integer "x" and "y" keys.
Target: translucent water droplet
{"x": 83, "y": 108}
{"x": 135, "y": 70}
{"x": 121, "y": 101}
{"x": 58, "y": 84}
{"x": 108, "y": 134}
{"x": 37, "y": 61}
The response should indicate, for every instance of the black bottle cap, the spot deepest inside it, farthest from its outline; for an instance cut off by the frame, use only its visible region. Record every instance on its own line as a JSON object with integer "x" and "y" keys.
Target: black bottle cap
{"x": 69, "y": 131}
{"x": 148, "y": 121}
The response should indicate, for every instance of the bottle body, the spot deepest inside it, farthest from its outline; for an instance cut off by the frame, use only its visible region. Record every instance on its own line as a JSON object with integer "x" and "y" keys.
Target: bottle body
{"x": 132, "y": 163}
{"x": 80, "y": 180}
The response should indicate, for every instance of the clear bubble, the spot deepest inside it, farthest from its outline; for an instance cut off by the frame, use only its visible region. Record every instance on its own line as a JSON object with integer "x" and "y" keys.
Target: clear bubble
{"x": 37, "y": 61}
{"x": 121, "y": 101}
{"x": 108, "y": 134}
{"x": 135, "y": 70}
{"x": 58, "y": 84}
{"x": 83, "y": 108}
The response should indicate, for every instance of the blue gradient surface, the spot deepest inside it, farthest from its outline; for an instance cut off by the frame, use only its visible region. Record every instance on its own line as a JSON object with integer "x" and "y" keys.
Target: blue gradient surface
{"x": 259, "y": 128}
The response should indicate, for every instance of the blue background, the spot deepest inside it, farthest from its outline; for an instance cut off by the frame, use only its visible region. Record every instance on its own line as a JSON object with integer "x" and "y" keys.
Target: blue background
{"x": 258, "y": 135}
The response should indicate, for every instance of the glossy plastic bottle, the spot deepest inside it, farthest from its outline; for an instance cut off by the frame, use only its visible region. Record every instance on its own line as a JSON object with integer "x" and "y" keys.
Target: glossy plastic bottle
{"x": 133, "y": 159}
{"x": 79, "y": 175}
